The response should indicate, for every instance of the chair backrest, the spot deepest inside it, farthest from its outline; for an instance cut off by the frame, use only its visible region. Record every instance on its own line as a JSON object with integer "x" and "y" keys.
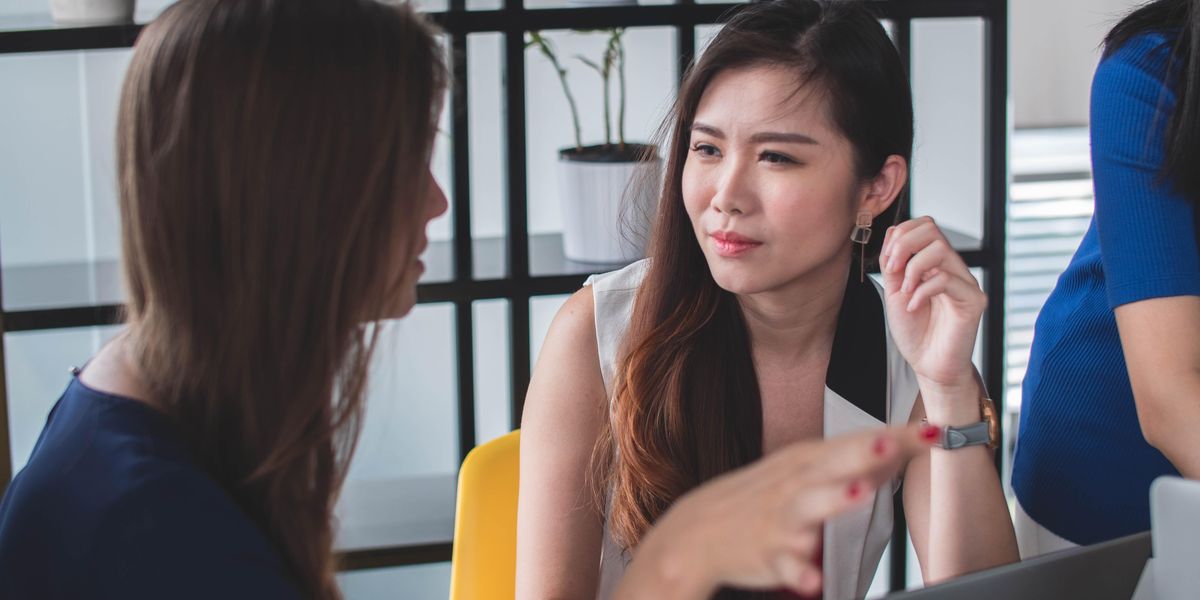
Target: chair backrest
{"x": 484, "y": 560}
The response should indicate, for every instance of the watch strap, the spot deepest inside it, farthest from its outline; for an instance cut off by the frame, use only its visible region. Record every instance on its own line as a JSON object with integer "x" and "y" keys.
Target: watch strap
{"x": 976, "y": 434}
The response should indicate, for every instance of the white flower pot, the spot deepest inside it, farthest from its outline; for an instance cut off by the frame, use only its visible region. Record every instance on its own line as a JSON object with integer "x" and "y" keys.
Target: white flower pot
{"x": 605, "y": 218}
{"x": 92, "y": 12}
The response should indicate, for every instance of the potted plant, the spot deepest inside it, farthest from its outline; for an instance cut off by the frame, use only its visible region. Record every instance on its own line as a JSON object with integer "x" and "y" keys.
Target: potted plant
{"x": 605, "y": 218}
{"x": 92, "y": 12}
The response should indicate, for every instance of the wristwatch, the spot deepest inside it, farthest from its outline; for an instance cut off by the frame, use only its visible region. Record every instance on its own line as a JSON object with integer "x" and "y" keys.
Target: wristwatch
{"x": 984, "y": 432}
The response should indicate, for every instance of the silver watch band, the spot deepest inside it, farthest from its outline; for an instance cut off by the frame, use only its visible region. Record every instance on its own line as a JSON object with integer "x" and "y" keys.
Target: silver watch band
{"x": 971, "y": 435}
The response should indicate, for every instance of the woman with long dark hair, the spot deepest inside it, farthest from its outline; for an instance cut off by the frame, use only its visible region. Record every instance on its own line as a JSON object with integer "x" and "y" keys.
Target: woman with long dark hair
{"x": 274, "y": 190}
{"x": 1110, "y": 394}
{"x": 751, "y": 327}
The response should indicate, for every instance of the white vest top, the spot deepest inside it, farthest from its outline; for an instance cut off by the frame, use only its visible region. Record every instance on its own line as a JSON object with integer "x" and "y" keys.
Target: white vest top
{"x": 866, "y": 396}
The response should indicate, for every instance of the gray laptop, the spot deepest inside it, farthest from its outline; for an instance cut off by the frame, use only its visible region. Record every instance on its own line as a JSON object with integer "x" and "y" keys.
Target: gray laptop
{"x": 1106, "y": 571}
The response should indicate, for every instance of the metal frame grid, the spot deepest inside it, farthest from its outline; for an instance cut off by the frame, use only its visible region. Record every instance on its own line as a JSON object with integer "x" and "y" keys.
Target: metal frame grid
{"x": 513, "y": 20}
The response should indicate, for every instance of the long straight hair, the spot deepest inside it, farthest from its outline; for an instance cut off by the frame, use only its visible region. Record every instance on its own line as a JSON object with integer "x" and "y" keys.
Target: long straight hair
{"x": 271, "y": 162}
{"x": 686, "y": 404}
{"x": 1180, "y": 19}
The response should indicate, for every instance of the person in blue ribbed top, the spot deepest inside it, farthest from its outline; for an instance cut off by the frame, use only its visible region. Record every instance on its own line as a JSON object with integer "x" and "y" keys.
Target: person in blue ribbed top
{"x": 1112, "y": 393}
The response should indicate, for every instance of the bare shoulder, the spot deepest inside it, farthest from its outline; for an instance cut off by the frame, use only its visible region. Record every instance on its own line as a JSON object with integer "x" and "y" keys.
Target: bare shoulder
{"x": 566, "y": 381}
{"x": 576, "y": 318}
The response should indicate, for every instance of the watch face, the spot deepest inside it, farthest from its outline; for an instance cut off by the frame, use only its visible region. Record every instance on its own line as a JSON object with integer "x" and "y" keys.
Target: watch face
{"x": 989, "y": 414}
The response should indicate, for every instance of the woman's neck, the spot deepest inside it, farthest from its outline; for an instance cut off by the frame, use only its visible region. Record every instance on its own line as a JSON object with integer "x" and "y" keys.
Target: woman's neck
{"x": 111, "y": 371}
{"x": 798, "y": 320}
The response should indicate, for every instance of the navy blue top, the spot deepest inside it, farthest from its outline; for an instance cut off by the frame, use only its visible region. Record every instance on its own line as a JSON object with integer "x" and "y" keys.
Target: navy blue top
{"x": 111, "y": 506}
{"x": 1082, "y": 467}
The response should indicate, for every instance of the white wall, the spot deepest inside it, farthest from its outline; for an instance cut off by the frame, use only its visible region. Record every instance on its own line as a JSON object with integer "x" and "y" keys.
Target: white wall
{"x": 1055, "y": 46}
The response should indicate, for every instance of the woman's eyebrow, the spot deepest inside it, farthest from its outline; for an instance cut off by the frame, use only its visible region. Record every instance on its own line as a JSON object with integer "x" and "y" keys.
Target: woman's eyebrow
{"x": 708, "y": 130}
{"x": 760, "y": 137}
{"x": 781, "y": 137}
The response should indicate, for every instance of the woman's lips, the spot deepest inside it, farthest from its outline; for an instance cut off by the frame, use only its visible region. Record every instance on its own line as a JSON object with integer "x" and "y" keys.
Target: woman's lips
{"x": 732, "y": 245}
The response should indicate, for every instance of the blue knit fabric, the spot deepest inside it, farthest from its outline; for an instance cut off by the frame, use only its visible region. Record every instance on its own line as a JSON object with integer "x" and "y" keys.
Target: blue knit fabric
{"x": 1082, "y": 467}
{"x": 112, "y": 506}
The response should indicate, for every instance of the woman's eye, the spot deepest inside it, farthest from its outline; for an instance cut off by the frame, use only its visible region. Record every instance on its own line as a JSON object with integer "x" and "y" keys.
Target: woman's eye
{"x": 775, "y": 158}
{"x": 705, "y": 150}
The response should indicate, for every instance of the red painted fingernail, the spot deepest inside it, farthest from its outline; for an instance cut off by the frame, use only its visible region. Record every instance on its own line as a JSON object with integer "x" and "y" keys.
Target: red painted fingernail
{"x": 931, "y": 432}
{"x": 882, "y": 445}
{"x": 855, "y": 490}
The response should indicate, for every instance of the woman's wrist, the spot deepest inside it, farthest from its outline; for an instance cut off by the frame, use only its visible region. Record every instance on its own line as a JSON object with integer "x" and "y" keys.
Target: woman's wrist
{"x": 955, "y": 404}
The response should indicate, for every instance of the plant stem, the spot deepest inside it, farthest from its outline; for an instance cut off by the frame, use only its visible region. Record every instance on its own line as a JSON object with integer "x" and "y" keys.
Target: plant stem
{"x": 607, "y": 105}
{"x": 548, "y": 52}
{"x": 621, "y": 78}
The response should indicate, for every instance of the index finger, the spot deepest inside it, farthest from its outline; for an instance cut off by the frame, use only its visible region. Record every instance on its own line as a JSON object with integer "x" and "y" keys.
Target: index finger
{"x": 873, "y": 454}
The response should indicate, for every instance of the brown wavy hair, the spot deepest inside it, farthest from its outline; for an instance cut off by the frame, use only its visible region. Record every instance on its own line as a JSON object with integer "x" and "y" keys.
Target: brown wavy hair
{"x": 686, "y": 404}
{"x": 271, "y": 158}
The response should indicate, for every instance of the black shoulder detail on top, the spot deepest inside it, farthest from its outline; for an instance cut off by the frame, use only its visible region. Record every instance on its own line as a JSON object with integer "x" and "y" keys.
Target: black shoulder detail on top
{"x": 858, "y": 362}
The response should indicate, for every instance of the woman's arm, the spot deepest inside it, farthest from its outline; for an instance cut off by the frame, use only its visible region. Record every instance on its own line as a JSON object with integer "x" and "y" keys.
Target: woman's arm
{"x": 972, "y": 529}
{"x": 953, "y": 499}
{"x": 1161, "y": 340}
{"x": 559, "y": 528}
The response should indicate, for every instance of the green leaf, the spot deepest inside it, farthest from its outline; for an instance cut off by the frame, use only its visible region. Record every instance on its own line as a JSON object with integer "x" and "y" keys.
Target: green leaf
{"x": 591, "y": 64}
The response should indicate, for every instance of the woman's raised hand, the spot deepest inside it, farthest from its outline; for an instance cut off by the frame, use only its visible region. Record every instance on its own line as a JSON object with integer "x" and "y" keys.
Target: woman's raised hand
{"x": 934, "y": 305}
{"x": 760, "y": 527}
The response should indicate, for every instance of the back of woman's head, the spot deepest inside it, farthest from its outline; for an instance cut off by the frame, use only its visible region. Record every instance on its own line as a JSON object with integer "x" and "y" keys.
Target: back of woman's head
{"x": 686, "y": 403}
{"x": 272, "y": 160}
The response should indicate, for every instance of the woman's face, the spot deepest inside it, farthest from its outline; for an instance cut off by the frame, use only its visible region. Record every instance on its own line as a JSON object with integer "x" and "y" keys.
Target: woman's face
{"x": 431, "y": 206}
{"x": 769, "y": 182}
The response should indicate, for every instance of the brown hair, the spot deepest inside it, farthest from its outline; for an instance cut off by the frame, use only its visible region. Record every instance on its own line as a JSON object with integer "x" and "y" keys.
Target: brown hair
{"x": 271, "y": 164}
{"x": 686, "y": 403}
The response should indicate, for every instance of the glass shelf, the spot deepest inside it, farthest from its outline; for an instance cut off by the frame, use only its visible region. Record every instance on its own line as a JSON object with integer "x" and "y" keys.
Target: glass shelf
{"x": 45, "y": 289}
{"x": 394, "y": 515}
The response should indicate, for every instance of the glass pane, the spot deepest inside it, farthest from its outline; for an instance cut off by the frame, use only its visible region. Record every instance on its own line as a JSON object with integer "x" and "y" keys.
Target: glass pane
{"x": 400, "y": 489}
{"x": 416, "y": 581}
{"x": 947, "y": 170}
{"x": 704, "y": 35}
{"x": 650, "y": 76}
{"x": 493, "y": 410}
{"x": 44, "y": 176}
{"x": 485, "y": 73}
{"x": 59, "y": 231}
{"x": 411, "y": 424}
{"x": 35, "y": 14}
{"x": 431, "y": 5}
{"x": 38, "y": 369}
{"x": 485, "y": 4}
{"x": 590, "y": 3}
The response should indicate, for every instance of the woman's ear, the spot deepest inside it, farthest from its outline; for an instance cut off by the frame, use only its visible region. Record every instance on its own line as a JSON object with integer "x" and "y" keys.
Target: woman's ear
{"x": 881, "y": 191}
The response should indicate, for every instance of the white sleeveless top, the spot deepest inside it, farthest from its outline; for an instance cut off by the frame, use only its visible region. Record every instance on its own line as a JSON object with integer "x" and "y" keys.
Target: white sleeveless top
{"x": 865, "y": 365}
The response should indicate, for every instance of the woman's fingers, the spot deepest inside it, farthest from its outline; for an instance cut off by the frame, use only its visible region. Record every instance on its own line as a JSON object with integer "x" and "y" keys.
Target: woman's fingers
{"x": 797, "y": 574}
{"x": 872, "y": 455}
{"x": 824, "y": 501}
{"x": 958, "y": 289}
{"x": 912, "y": 237}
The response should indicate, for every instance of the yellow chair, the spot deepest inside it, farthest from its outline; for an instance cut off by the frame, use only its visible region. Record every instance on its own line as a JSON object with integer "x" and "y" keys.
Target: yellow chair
{"x": 484, "y": 559}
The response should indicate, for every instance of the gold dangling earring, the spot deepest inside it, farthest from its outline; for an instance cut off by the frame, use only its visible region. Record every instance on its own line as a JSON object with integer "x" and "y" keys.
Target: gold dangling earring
{"x": 861, "y": 235}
